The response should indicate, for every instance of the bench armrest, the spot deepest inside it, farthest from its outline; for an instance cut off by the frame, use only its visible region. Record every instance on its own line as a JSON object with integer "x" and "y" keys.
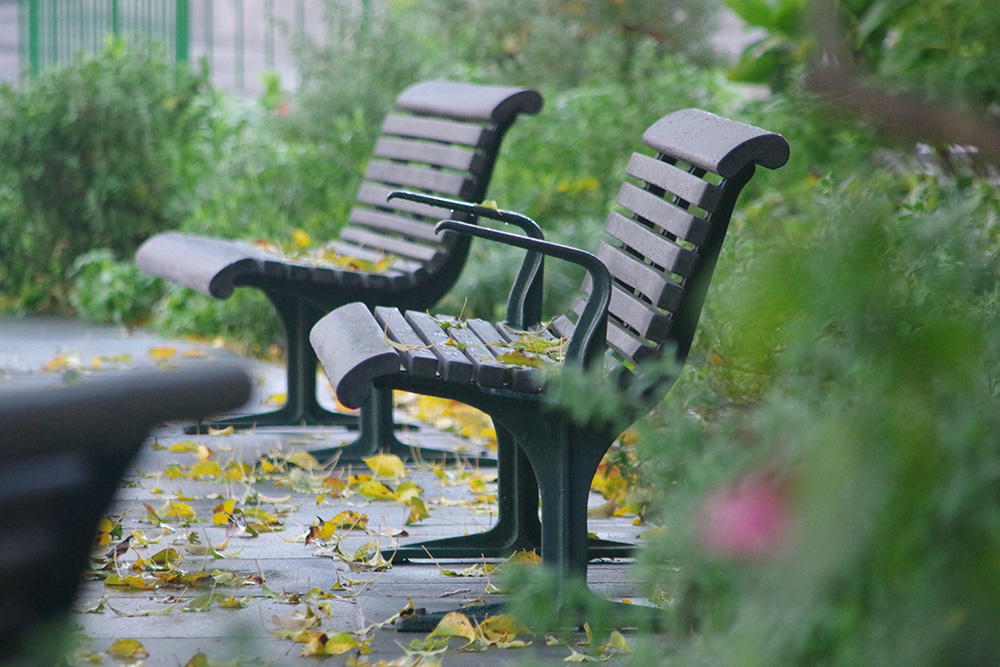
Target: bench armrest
{"x": 527, "y": 225}
{"x": 588, "y": 341}
{"x": 524, "y": 307}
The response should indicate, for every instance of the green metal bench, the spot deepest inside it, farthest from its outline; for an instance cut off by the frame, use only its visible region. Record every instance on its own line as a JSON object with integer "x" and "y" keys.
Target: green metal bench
{"x": 636, "y": 317}
{"x": 443, "y": 139}
{"x": 63, "y": 454}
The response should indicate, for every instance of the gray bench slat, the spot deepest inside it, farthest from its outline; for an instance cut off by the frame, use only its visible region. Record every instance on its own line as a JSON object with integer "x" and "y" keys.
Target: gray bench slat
{"x": 435, "y": 129}
{"x": 668, "y": 217}
{"x": 441, "y": 155}
{"x": 660, "y": 289}
{"x": 201, "y": 263}
{"x": 685, "y": 185}
{"x": 389, "y": 245}
{"x": 657, "y": 248}
{"x": 562, "y": 326}
{"x": 361, "y": 353}
{"x": 633, "y": 312}
{"x": 489, "y": 371}
{"x": 467, "y": 101}
{"x": 638, "y": 315}
{"x": 715, "y": 144}
{"x": 453, "y": 365}
{"x": 417, "y": 359}
{"x": 627, "y": 344}
{"x": 375, "y": 195}
{"x": 408, "y": 176}
{"x": 516, "y": 377}
{"x": 369, "y": 254}
{"x": 383, "y": 221}
{"x": 522, "y": 378}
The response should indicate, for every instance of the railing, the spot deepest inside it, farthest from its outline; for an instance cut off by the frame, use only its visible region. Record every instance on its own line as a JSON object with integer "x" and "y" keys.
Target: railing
{"x": 240, "y": 39}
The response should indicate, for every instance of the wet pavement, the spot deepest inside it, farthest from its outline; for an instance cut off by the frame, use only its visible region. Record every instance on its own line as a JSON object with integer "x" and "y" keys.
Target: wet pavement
{"x": 260, "y": 586}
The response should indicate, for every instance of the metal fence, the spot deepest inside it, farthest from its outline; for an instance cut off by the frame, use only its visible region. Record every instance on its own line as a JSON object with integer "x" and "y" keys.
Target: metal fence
{"x": 240, "y": 39}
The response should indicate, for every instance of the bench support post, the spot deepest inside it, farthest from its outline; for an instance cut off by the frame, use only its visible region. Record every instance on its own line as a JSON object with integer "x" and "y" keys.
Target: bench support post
{"x": 301, "y": 406}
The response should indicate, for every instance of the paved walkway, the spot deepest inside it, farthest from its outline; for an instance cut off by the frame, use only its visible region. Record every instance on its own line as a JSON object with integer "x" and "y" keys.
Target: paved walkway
{"x": 298, "y": 578}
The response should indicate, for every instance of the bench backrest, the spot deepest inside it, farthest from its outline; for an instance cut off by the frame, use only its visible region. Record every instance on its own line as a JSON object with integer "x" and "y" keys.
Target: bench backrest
{"x": 443, "y": 138}
{"x": 661, "y": 250}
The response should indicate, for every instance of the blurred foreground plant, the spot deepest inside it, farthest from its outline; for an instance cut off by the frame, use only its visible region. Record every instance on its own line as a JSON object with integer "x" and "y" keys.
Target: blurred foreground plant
{"x": 868, "y": 472}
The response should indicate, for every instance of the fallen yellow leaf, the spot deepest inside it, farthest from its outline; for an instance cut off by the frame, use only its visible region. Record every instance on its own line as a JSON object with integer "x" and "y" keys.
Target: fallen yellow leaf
{"x": 203, "y": 468}
{"x": 161, "y": 353}
{"x": 376, "y": 491}
{"x": 386, "y": 465}
{"x": 455, "y": 624}
{"x": 128, "y": 649}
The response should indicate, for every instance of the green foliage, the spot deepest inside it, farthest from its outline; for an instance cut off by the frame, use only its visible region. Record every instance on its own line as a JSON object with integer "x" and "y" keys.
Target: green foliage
{"x": 566, "y": 43}
{"x": 940, "y": 47}
{"x": 107, "y": 290}
{"x": 879, "y": 418}
{"x": 100, "y": 153}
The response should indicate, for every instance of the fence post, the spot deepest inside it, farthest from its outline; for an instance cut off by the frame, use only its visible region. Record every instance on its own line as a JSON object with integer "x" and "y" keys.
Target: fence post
{"x": 34, "y": 23}
{"x": 182, "y": 21}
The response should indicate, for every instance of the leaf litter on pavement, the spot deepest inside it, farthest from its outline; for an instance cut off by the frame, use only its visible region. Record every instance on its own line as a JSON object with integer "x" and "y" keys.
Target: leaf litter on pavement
{"x": 168, "y": 550}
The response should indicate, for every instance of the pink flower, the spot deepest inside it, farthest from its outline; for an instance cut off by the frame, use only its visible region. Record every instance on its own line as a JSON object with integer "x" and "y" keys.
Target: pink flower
{"x": 747, "y": 520}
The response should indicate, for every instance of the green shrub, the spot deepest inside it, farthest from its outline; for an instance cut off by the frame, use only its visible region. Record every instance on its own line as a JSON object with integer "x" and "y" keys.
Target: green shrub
{"x": 97, "y": 154}
{"x": 107, "y": 290}
{"x": 876, "y": 435}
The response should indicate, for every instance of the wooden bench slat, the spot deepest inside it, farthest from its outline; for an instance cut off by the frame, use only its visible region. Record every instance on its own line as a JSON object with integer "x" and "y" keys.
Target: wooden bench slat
{"x": 385, "y": 222}
{"x": 435, "y": 129}
{"x": 638, "y": 315}
{"x": 389, "y": 245}
{"x": 685, "y": 185}
{"x": 670, "y": 218}
{"x": 453, "y": 365}
{"x": 375, "y": 195}
{"x": 489, "y": 371}
{"x": 417, "y": 358}
{"x": 627, "y": 344}
{"x": 440, "y": 155}
{"x": 370, "y": 254}
{"x": 408, "y": 176}
{"x": 657, "y": 248}
{"x": 516, "y": 378}
{"x": 663, "y": 291}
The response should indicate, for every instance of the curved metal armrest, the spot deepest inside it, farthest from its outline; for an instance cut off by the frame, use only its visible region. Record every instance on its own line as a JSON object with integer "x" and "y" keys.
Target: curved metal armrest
{"x": 588, "y": 341}
{"x": 524, "y": 307}
{"x": 527, "y": 225}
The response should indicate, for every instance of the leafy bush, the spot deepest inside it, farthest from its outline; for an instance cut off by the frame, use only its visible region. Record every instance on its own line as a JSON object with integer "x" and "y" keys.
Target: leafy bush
{"x": 96, "y": 154}
{"x": 106, "y": 290}
{"x": 866, "y": 472}
{"x": 939, "y": 47}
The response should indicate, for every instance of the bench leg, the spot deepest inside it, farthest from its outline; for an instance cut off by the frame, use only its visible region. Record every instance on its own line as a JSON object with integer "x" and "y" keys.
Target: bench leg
{"x": 564, "y": 470}
{"x": 301, "y": 407}
{"x": 517, "y": 527}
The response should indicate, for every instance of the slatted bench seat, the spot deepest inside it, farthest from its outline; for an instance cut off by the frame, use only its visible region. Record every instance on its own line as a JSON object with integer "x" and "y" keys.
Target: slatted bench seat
{"x": 632, "y": 324}
{"x": 442, "y": 138}
{"x": 63, "y": 454}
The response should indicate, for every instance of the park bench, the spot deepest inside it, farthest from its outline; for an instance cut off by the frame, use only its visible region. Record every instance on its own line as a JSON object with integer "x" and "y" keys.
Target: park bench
{"x": 64, "y": 451}
{"x": 628, "y": 332}
{"x": 442, "y": 138}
